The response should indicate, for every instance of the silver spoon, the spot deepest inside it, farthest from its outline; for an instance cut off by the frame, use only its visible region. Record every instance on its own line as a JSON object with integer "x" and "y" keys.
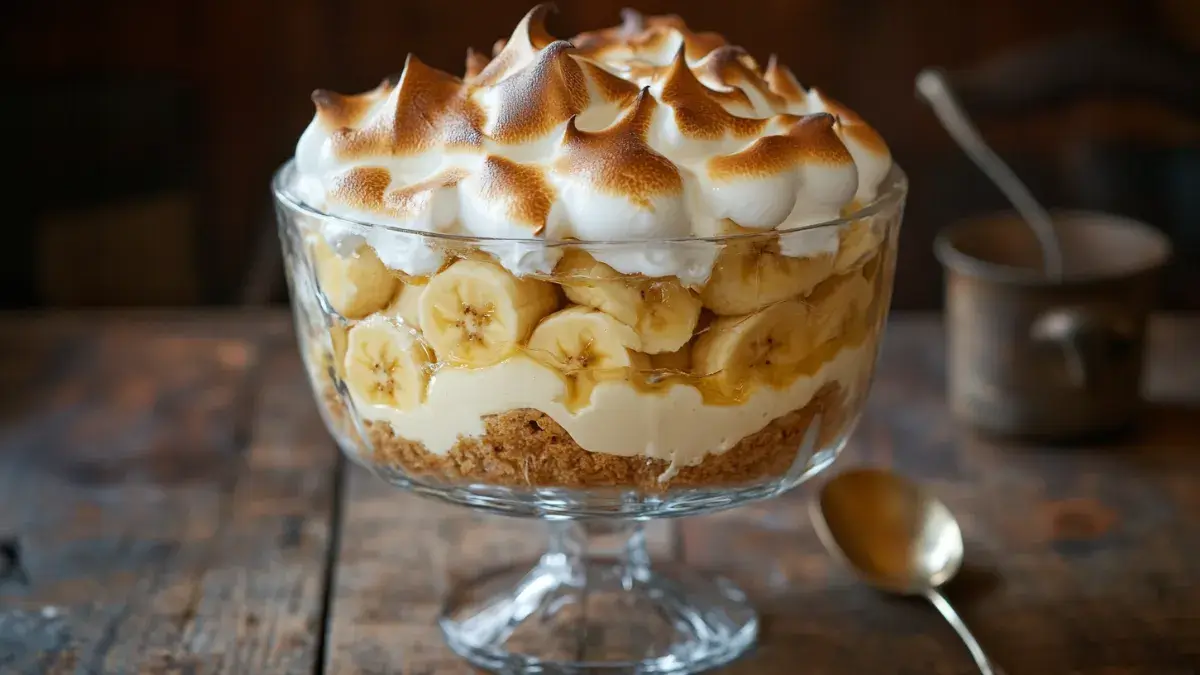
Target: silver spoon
{"x": 933, "y": 87}
{"x": 896, "y": 537}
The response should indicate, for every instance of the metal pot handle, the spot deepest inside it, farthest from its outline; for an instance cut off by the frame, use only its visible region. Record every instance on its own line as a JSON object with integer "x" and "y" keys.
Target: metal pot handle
{"x": 1088, "y": 337}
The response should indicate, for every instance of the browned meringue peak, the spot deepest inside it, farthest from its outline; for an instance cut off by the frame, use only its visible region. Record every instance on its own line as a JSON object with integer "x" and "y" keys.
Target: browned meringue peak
{"x": 536, "y": 83}
{"x": 850, "y": 123}
{"x": 476, "y": 62}
{"x": 810, "y": 139}
{"x": 633, "y": 24}
{"x": 730, "y": 68}
{"x": 335, "y": 110}
{"x": 427, "y": 109}
{"x": 612, "y": 88}
{"x": 530, "y": 102}
{"x": 639, "y": 36}
{"x": 522, "y": 190}
{"x": 529, "y": 38}
{"x": 602, "y": 42}
{"x": 365, "y": 188}
{"x": 698, "y": 110}
{"x": 781, "y": 81}
{"x": 617, "y": 159}
{"x": 642, "y": 73}
{"x": 698, "y": 44}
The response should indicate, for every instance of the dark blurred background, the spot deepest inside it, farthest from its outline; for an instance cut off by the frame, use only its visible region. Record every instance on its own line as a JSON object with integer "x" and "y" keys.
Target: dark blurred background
{"x": 146, "y": 131}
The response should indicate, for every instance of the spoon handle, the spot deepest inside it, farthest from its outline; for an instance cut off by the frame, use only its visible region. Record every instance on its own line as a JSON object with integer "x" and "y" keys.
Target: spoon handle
{"x": 932, "y": 86}
{"x": 981, "y": 659}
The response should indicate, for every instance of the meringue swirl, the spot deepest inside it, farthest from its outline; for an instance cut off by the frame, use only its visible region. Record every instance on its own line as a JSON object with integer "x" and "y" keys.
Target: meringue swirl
{"x": 637, "y": 133}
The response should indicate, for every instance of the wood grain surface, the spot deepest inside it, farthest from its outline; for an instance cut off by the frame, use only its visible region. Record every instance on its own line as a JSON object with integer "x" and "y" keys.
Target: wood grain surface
{"x": 169, "y": 503}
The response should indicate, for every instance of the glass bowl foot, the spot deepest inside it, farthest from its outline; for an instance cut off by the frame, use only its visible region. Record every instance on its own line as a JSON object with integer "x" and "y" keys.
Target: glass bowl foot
{"x": 575, "y": 613}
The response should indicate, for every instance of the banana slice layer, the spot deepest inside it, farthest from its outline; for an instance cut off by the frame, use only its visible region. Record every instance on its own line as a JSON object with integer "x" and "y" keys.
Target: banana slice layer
{"x": 662, "y": 312}
{"x": 748, "y": 277}
{"x": 587, "y": 346}
{"x": 354, "y": 285}
{"x": 386, "y": 364}
{"x": 738, "y": 353}
{"x": 477, "y": 314}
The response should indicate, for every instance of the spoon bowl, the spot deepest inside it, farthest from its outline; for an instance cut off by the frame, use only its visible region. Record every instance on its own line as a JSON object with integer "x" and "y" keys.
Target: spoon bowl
{"x": 897, "y": 537}
{"x": 893, "y": 534}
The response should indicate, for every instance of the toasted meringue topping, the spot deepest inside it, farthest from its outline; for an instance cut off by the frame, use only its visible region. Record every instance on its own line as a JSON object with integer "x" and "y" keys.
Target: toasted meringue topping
{"x": 366, "y": 188}
{"x": 337, "y": 110}
{"x": 782, "y": 82}
{"x": 530, "y": 102}
{"x": 805, "y": 169}
{"x": 644, "y": 131}
{"x": 610, "y": 86}
{"x": 699, "y": 109}
{"x": 520, "y": 50}
{"x": 361, "y": 187}
{"x": 426, "y": 110}
{"x": 647, "y": 38}
{"x": 515, "y": 197}
{"x": 849, "y": 122}
{"x": 617, "y": 160}
{"x": 730, "y": 68}
{"x": 614, "y": 185}
{"x": 809, "y": 139}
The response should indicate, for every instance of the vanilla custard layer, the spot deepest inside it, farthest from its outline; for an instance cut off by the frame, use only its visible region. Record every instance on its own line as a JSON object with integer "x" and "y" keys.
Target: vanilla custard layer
{"x": 674, "y": 424}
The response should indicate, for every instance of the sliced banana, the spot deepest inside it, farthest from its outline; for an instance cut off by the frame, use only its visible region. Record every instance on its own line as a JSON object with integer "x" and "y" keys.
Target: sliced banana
{"x": 834, "y": 304}
{"x": 354, "y": 285}
{"x": 582, "y": 338}
{"x": 738, "y": 352}
{"x": 386, "y": 364}
{"x": 750, "y": 276}
{"x": 407, "y": 304}
{"x": 587, "y": 346}
{"x": 661, "y": 311}
{"x": 477, "y": 314}
{"x": 856, "y": 242}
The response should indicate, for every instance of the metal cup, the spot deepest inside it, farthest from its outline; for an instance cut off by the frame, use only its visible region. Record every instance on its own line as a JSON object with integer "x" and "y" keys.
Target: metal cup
{"x": 1037, "y": 357}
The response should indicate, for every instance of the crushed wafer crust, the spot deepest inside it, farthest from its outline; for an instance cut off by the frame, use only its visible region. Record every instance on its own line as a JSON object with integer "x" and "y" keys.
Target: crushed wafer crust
{"x": 526, "y": 448}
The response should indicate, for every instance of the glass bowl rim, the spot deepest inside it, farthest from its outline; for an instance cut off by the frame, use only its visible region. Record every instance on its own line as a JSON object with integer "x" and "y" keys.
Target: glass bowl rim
{"x": 892, "y": 192}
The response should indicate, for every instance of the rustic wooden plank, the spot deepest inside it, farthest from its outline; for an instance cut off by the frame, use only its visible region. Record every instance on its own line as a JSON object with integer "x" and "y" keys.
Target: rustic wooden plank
{"x": 399, "y": 556}
{"x": 166, "y": 490}
{"x": 260, "y": 601}
{"x": 1081, "y": 560}
{"x": 111, "y": 482}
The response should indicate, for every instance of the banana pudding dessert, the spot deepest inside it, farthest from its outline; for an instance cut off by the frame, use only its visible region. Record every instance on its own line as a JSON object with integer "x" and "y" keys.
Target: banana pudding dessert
{"x": 637, "y": 259}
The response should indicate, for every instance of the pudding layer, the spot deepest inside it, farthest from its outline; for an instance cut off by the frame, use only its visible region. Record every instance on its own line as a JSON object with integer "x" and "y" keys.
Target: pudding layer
{"x": 675, "y": 426}
{"x": 524, "y": 448}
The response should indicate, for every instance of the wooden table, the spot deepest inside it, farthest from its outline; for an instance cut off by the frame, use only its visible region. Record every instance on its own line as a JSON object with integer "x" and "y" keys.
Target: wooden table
{"x": 170, "y": 503}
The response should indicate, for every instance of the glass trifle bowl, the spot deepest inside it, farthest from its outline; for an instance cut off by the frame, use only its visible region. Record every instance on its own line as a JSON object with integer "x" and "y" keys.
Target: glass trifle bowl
{"x": 600, "y": 281}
